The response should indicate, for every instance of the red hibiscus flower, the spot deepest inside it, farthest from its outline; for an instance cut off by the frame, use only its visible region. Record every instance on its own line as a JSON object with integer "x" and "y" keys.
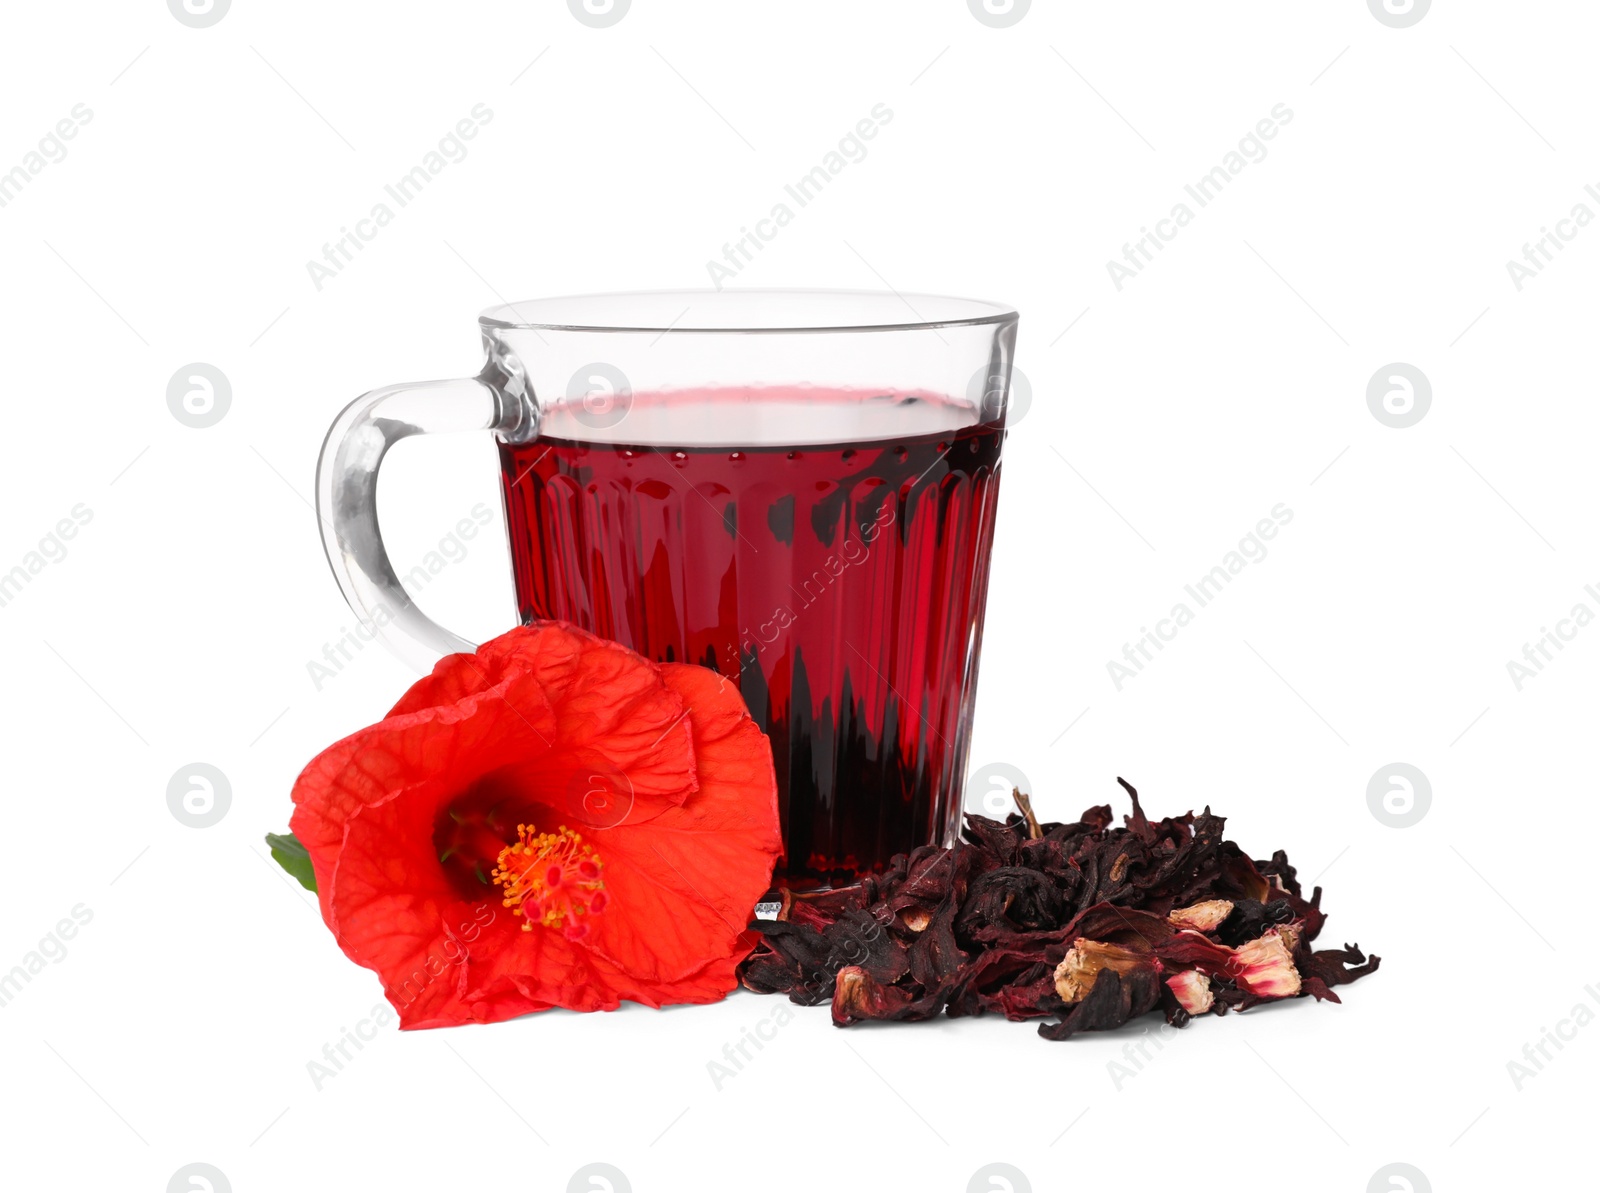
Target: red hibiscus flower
{"x": 551, "y": 821}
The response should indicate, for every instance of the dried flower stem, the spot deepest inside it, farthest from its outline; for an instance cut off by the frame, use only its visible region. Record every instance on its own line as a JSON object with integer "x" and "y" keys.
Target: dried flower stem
{"x": 1025, "y": 806}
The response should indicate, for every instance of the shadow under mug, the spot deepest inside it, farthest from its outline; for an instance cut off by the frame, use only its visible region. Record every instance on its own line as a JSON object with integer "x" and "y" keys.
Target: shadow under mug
{"x": 795, "y": 488}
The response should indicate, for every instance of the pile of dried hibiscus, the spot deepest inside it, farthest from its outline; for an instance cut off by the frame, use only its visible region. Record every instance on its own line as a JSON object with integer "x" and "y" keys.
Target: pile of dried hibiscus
{"x": 1084, "y": 923}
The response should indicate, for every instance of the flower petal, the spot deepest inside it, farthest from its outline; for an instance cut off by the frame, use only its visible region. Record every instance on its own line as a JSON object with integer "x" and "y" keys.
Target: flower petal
{"x": 411, "y": 752}
{"x": 620, "y": 748}
{"x": 684, "y": 885}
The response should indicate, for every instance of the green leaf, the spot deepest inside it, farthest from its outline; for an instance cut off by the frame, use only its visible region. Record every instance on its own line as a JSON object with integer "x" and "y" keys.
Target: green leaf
{"x": 292, "y": 856}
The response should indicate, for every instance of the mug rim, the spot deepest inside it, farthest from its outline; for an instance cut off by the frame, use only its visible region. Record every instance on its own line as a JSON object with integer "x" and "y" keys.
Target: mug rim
{"x": 746, "y": 312}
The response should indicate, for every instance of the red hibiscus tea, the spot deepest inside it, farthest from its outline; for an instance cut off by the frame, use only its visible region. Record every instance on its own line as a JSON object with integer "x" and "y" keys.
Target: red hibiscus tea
{"x": 840, "y": 583}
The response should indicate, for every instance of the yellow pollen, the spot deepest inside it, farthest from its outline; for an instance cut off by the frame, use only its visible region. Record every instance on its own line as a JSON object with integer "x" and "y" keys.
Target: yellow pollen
{"x": 551, "y": 879}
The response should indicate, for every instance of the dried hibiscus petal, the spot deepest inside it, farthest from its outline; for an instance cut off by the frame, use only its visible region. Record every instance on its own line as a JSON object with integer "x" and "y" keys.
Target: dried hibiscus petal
{"x": 1114, "y": 999}
{"x": 1203, "y": 916}
{"x": 1082, "y": 921}
{"x": 1192, "y": 989}
{"x": 1265, "y": 966}
{"x": 1080, "y": 968}
{"x": 1249, "y": 919}
{"x": 857, "y": 995}
{"x": 1335, "y": 967}
{"x": 1190, "y": 948}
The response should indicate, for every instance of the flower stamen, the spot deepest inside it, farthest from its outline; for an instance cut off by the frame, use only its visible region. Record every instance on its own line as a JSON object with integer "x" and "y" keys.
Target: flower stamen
{"x": 551, "y": 879}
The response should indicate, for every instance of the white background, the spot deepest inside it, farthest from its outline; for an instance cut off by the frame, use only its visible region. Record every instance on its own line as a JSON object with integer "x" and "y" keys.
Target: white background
{"x": 1229, "y": 376}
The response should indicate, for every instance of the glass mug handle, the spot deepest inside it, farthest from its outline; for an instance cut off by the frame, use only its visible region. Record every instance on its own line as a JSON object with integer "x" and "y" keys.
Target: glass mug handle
{"x": 347, "y": 488}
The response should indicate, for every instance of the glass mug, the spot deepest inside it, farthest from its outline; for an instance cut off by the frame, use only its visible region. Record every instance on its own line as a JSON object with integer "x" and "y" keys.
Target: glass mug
{"x": 794, "y": 488}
